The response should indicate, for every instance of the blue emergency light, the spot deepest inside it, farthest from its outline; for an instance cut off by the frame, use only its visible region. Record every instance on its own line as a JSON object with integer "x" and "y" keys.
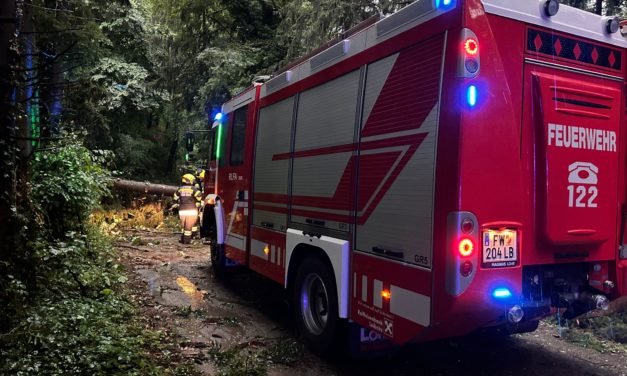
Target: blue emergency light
{"x": 502, "y": 293}
{"x": 443, "y": 3}
{"x": 471, "y": 95}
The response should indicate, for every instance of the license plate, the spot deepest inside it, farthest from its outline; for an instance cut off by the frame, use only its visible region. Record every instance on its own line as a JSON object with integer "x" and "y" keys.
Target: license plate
{"x": 500, "y": 248}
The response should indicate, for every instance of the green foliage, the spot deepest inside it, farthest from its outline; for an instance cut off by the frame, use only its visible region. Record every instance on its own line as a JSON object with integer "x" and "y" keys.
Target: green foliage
{"x": 67, "y": 185}
{"x": 45, "y": 245}
{"x": 80, "y": 322}
{"x": 125, "y": 30}
{"x": 230, "y": 65}
{"x": 603, "y": 333}
{"x": 138, "y": 157}
{"x": 321, "y": 21}
{"x": 126, "y": 87}
{"x": 237, "y": 362}
{"x": 230, "y": 321}
{"x": 286, "y": 351}
{"x": 244, "y": 359}
{"x": 613, "y": 327}
{"x": 149, "y": 70}
{"x": 77, "y": 336}
{"x": 65, "y": 311}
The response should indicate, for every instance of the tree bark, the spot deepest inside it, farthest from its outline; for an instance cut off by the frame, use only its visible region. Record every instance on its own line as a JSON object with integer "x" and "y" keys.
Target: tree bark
{"x": 145, "y": 187}
{"x": 7, "y": 31}
{"x": 598, "y": 7}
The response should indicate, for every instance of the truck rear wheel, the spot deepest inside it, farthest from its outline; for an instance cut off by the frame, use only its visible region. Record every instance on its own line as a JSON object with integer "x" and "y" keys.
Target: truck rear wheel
{"x": 218, "y": 259}
{"x": 315, "y": 305}
{"x": 509, "y": 329}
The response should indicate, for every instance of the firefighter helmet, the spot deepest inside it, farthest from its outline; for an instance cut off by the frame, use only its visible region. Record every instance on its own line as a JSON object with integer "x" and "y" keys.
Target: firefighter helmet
{"x": 188, "y": 179}
{"x": 201, "y": 174}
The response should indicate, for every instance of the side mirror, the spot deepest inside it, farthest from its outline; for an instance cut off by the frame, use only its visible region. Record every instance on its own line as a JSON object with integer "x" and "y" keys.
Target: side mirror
{"x": 189, "y": 141}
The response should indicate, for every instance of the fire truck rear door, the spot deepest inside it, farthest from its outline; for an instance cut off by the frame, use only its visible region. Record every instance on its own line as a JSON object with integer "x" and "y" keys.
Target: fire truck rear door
{"x": 576, "y": 120}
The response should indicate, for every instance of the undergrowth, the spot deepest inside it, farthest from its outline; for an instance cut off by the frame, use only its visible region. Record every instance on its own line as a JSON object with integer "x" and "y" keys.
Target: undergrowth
{"x": 147, "y": 216}
{"x": 248, "y": 360}
{"x": 65, "y": 310}
{"x": 605, "y": 334}
{"x": 238, "y": 361}
{"x": 82, "y": 323}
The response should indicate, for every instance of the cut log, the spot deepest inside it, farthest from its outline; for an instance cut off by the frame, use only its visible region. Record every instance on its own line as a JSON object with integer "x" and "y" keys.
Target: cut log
{"x": 144, "y": 186}
{"x": 616, "y": 306}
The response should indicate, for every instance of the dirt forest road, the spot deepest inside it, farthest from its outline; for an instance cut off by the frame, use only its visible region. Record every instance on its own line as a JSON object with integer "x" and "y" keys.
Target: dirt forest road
{"x": 243, "y": 327}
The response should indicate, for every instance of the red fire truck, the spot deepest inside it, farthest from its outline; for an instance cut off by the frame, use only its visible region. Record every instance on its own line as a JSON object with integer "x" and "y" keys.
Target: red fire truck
{"x": 457, "y": 165}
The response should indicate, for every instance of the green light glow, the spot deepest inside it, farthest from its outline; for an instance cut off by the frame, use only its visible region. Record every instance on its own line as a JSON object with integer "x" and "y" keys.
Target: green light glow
{"x": 34, "y": 119}
{"x": 219, "y": 143}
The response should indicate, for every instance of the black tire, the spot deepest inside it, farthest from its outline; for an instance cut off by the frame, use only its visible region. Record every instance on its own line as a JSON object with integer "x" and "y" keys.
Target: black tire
{"x": 527, "y": 326}
{"x": 208, "y": 223}
{"x": 218, "y": 260}
{"x": 509, "y": 329}
{"x": 318, "y": 324}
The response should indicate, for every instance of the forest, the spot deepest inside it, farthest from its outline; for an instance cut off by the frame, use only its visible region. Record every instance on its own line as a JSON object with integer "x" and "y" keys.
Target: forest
{"x": 93, "y": 90}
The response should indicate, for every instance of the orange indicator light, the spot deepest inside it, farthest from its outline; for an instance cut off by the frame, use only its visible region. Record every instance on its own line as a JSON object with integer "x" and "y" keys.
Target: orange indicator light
{"x": 266, "y": 250}
{"x": 386, "y": 294}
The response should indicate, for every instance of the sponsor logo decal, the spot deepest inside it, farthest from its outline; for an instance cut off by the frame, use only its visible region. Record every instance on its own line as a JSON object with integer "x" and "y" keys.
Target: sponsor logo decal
{"x": 370, "y": 336}
{"x": 389, "y": 327}
{"x": 377, "y": 319}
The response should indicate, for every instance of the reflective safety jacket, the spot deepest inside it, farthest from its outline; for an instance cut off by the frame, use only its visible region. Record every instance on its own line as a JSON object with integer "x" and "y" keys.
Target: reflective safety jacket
{"x": 200, "y": 179}
{"x": 188, "y": 197}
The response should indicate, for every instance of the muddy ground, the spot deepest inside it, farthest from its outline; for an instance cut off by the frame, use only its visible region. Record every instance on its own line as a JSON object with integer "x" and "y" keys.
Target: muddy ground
{"x": 243, "y": 327}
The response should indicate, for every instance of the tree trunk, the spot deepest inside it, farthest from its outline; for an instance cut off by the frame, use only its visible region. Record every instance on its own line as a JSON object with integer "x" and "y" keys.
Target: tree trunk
{"x": 598, "y": 7}
{"x": 172, "y": 156}
{"x": 145, "y": 187}
{"x": 613, "y": 8}
{"x": 7, "y": 30}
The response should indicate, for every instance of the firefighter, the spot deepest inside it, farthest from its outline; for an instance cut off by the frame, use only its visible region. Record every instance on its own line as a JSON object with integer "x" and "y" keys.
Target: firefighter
{"x": 200, "y": 179}
{"x": 200, "y": 185}
{"x": 188, "y": 198}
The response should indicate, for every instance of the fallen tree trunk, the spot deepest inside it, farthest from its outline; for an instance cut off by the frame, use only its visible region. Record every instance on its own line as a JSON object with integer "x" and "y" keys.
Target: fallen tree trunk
{"x": 616, "y": 306}
{"x": 144, "y": 186}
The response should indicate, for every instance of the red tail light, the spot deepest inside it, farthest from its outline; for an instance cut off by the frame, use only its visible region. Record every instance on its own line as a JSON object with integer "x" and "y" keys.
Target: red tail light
{"x": 471, "y": 46}
{"x": 466, "y": 247}
{"x": 469, "y": 57}
{"x": 461, "y": 258}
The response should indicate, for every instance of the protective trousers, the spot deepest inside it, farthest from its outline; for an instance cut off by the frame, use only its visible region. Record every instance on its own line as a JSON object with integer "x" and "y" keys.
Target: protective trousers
{"x": 189, "y": 219}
